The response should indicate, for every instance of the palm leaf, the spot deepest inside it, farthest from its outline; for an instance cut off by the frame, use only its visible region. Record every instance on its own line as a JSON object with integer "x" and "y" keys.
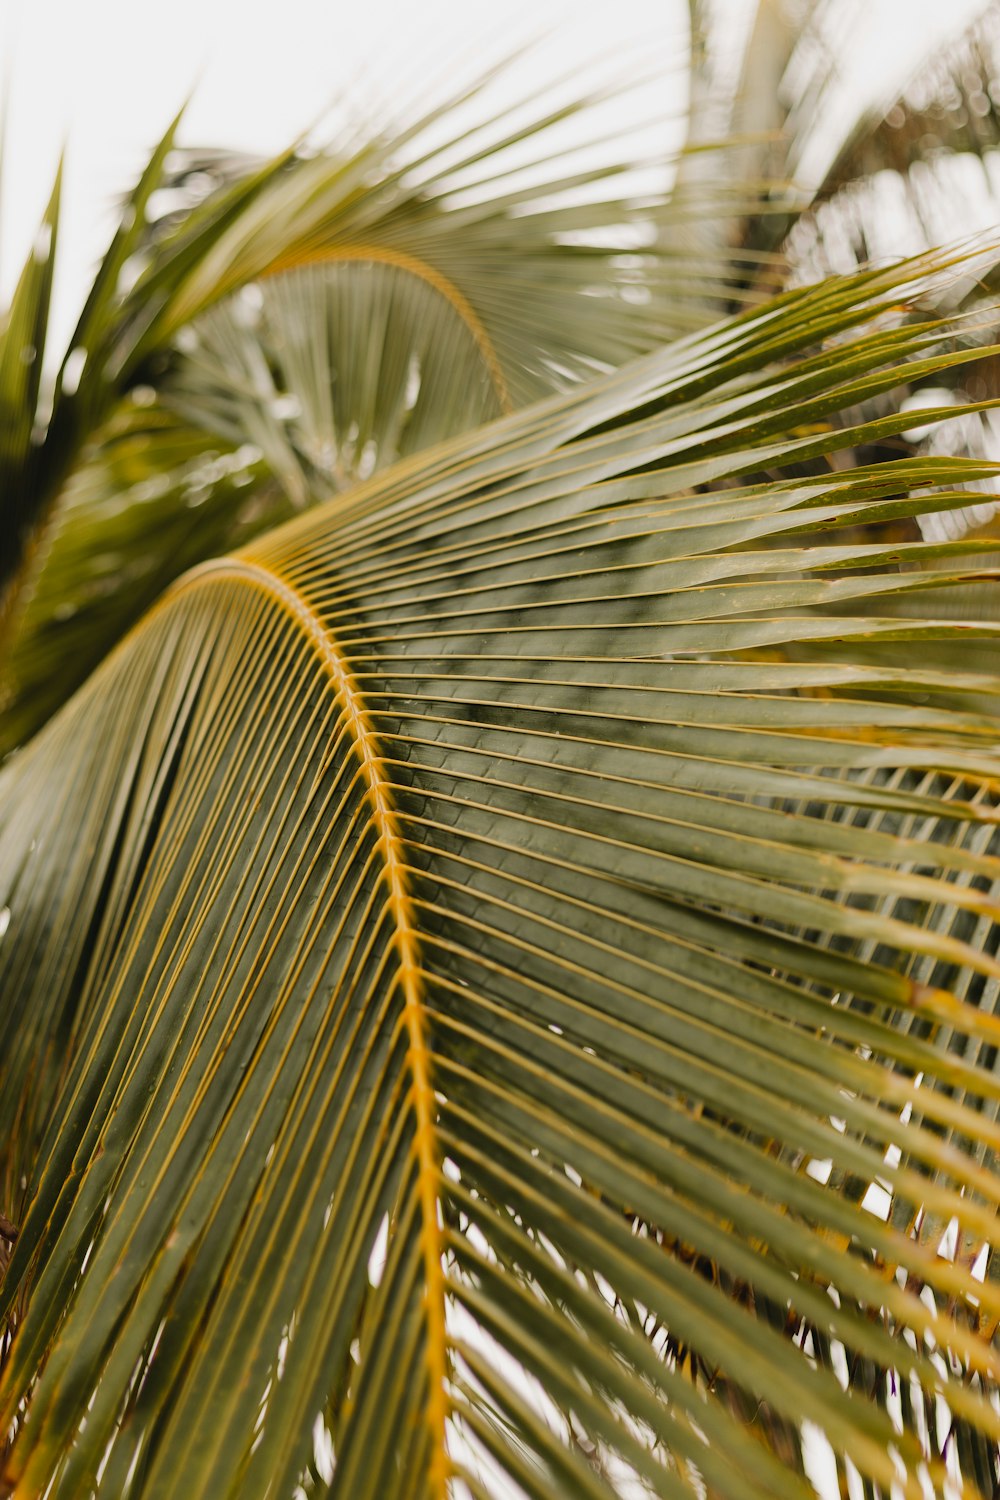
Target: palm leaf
{"x": 23, "y": 331}
{"x": 332, "y": 310}
{"x": 840, "y": 187}
{"x": 931, "y": 143}
{"x": 446, "y": 937}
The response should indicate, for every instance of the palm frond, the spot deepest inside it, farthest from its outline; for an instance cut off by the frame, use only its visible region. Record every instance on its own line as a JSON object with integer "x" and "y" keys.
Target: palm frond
{"x": 332, "y": 309}
{"x": 913, "y": 170}
{"x": 452, "y": 940}
{"x": 932, "y": 147}
{"x": 23, "y": 331}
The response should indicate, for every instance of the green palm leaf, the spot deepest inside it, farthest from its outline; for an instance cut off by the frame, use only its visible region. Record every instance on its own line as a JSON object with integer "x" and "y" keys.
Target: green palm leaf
{"x": 23, "y": 331}
{"x": 473, "y": 952}
{"x": 360, "y": 302}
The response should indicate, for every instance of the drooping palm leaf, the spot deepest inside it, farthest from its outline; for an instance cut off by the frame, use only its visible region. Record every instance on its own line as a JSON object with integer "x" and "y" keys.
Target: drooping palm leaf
{"x": 361, "y": 301}
{"x": 450, "y": 941}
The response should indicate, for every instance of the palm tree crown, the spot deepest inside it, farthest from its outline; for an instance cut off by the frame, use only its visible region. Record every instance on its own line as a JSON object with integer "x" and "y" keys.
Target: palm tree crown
{"x": 499, "y": 859}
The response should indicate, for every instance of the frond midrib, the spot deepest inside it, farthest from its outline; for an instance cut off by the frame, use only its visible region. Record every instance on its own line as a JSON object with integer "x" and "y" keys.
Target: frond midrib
{"x": 390, "y": 844}
{"x": 412, "y": 265}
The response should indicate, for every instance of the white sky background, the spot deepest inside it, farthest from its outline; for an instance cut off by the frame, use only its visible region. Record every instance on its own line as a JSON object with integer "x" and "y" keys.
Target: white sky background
{"x": 106, "y": 76}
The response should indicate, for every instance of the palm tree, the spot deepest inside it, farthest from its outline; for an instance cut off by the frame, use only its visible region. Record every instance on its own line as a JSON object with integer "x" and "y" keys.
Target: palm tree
{"x": 500, "y": 957}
